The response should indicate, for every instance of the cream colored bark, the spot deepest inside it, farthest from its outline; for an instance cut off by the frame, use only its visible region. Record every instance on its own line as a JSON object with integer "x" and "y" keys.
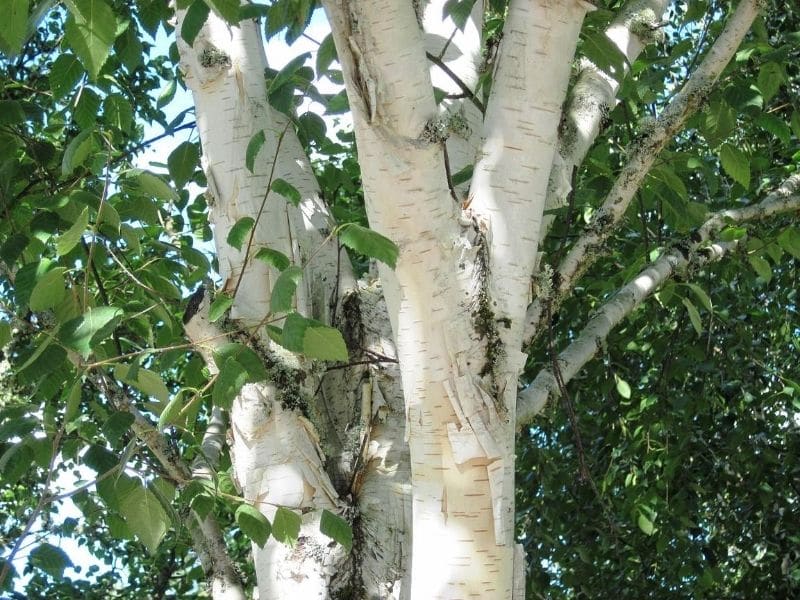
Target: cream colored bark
{"x": 594, "y": 95}
{"x": 275, "y": 450}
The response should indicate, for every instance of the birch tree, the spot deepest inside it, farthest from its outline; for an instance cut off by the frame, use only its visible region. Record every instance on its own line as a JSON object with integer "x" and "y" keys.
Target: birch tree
{"x": 338, "y": 396}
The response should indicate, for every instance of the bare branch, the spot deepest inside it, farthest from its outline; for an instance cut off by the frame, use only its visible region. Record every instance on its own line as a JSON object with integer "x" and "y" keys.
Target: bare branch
{"x": 642, "y": 154}
{"x": 700, "y": 252}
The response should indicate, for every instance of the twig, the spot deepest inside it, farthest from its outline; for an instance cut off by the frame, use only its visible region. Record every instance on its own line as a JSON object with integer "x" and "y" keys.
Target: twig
{"x": 457, "y": 80}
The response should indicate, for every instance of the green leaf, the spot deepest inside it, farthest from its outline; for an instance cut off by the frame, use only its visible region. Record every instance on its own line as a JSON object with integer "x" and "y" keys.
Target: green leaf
{"x": 14, "y": 26}
{"x": 795, "y": 123}
{"x": 227, "y": 9}
{"x": 116, "y": 426}
{"x": 731, "y": 233}
{"x": 77, "y": 151}
{"x": 232, "y": 376}
{"x": 11, "y": 112}
{"x": 459, "y": 11}
{"x": 91, "y": 328}
{"x": 761, "y": 267}
{"x": 90, "y": 31}
{"x": 253, "y": 146}
{"x": 776, "y": 126}
{"x": 221, "y": 303}
{"x": 605, "y": 55}
{"x": 239, "y": 232}
{"x": 150, "y": 185}
{"x": 370, "y": 243}
{"x": 336, "y": 528}
{"x": 701, "y": 295}
{"x": 273, "y": 258}
{"x": 182, "y": 163}
{"x": 246, "y": 358}
{"x": 287, "y": 72}
{"x": 720, "y": 120}
{"x": 770, "y": 78}
{"x": 623, "y": 387}
{"x": 168, "y": 93}
{"x": 50, "y": 559}
{"x": 27, "y": 277}
{"x": 118, "y": 112}
{"x": 15, "y": 462}
{"x": 694, "y": 315}
{"x": 66, "y": 71}
{"x": 735, "y": 164}
{"x": 49, "y": 290}
{"x": 148, "y": 382}
{"x": 311, "y": 128}
{"x": 284, "y": 289}
{"x": 171, "y": 413}
{"x": 142, "y": 512}
{"x": 294, "y": 331}
{"x": 72, "y": 401}
{"x": 193, "y": 20}
{"x": 326, "y": 54}
{"x": 789, "y": 240}
{"x": 108, "y": 217}
{"x": 287, "y": 190}
{"x": 87, "y": 107}
{"x": 5, "y": 334}
{"x": 286, "y": 526}
{"x": 253, "y": 524}
{"x": 645, "y": 524}
{"x": 324, "y": 343}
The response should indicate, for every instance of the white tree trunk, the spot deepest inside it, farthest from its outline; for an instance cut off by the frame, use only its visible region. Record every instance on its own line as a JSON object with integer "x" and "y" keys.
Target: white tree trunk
{"x": 459, "y": 272}
{"x": 278, "y": 454}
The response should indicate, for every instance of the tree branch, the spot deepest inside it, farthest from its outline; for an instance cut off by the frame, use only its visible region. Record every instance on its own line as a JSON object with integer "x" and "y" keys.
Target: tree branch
{"x": 208, "y": 539}
{"x": 594, "y": 95}
{"x": 642, "y": 154}
{"x": 700, "y": 252}
{"x": 457, "y": 80}
{"x": 509, "y": 183}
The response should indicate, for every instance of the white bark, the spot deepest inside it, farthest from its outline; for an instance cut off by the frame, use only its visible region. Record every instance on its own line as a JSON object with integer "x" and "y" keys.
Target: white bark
{"x": 225, "y": 71}
{"x": 700, "y": 252}
{"x": 641, "y": 156}
{"x": 510, "y": 181}
{"x": 383, "y": 487}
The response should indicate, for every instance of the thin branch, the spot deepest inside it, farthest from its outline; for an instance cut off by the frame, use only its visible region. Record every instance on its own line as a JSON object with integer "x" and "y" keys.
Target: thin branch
{"x": 642, "y": 155}
{"x": 684, "y": 258}
{"x": 37, "y": 509}
{"x": 457, "y": 80}
{"x": 260, "y": 208}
